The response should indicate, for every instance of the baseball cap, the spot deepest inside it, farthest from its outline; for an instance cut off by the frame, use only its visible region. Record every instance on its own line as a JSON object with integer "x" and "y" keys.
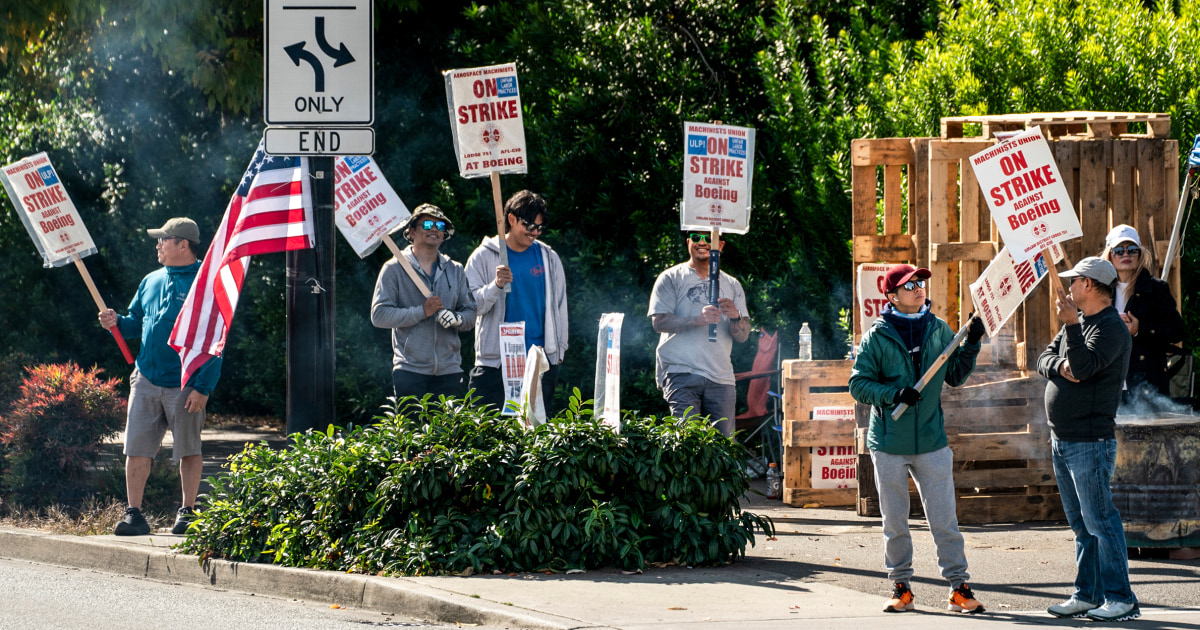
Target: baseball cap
{"x": 899, "y": 274}
{"x": 180, "y": 227}
{"x": 1095, "y": 268}
{"x": 430, "y": 210}
{"x": 1120, "y": 234}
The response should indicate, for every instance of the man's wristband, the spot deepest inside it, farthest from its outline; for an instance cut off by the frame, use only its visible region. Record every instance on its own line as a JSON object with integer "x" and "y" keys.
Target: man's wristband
{"x": 732, "y": 320}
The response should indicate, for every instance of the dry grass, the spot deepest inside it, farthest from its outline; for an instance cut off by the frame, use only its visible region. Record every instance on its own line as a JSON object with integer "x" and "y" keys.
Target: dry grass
{"x": 92, "y": 518}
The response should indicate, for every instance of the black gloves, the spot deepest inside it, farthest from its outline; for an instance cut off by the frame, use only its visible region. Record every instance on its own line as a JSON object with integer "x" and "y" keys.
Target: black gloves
{"x": 976, "y": 330}
{"x": 908, "y": 396}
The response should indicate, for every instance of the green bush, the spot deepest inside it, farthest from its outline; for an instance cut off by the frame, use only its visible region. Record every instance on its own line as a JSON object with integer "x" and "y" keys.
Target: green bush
{"x": 448, "y": 488}
{"x": 51, "y": 436}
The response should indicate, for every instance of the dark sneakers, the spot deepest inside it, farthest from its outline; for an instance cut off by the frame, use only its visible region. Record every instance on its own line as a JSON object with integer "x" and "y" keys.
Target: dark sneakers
{"x": 183, "y": 519}
{"x": 902, "y": 599}
{"x": 132, "y": 524}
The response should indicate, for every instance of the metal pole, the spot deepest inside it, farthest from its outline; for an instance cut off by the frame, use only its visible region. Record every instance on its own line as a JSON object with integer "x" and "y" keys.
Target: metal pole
{"x": 310, "y": 325}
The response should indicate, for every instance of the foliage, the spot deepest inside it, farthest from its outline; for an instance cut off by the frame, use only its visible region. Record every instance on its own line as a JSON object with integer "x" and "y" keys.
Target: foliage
{"x": 51, "y": 436}
{"x": 450, "y": 489}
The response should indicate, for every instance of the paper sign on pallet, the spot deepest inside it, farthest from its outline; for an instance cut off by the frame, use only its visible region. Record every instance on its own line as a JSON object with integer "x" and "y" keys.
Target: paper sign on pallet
{"x": 1025, "y": 194}
{"x": 46, "y": 211}
{"x": 486, "y": 120}
{"x": 834, "y": 466}
{"x": 365, "y": 205}
{"x": 718, "y": 169}
{"x": 871, "y": 298}
{"x": 1003, "y": 286}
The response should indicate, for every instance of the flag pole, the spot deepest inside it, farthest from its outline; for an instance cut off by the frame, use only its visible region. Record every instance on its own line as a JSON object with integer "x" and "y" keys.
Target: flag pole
{"x": 87, "y": 279}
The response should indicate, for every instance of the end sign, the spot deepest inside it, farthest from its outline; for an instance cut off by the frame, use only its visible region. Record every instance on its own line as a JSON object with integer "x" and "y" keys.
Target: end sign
{"x": 319, "y": 60}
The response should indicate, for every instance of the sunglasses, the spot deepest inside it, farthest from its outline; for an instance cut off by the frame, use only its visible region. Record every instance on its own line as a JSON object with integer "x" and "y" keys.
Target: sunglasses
{"x": 696, "y": 237}
{"x": 1132, "y": 250}
{"x": 913, "y": 285}
{"x": 168, "y": 239}
{"x": 533, "y": 227}
{"x": 429, "y": 224}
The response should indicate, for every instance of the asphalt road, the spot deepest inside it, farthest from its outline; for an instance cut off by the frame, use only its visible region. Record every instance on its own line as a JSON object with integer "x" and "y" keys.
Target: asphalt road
{"x": 44, "y": 597}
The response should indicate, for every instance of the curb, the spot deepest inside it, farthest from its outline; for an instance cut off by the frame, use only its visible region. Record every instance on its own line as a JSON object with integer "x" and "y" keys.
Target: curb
{"x": 152, "y": 558}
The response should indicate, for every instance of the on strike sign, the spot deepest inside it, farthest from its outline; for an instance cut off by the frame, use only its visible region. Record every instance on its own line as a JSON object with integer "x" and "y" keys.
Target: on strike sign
{"x": 1025, "y": 193}
{"x": 834, "y": 466}
{"x": 365, "y": 205}
{"x": 718, "y": 166}
{"x": 485, "y": 117}
{"x": 871, "y": 298}
{"x": 46, "y": 210}
{"x": 1003, "y": 286}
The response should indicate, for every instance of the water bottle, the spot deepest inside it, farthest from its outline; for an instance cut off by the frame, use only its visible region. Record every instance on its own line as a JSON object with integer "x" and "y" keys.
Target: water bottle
{"x": 774, "y": 482}
{"x": 805, "y": 343}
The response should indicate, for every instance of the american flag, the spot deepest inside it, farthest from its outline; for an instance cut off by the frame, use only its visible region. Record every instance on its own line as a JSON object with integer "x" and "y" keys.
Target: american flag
{"x": 271, "y": 211}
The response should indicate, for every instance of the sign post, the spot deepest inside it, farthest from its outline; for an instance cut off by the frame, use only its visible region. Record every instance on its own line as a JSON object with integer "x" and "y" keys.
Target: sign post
{"x": 318, "y": 101}
{"x": 717, "y": 175}
{"x": 489, "y": 130}
{"x": 53, "y": 223}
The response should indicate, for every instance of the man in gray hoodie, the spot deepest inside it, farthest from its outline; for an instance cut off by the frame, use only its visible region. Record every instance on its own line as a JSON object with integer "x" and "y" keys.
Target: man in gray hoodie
{"x": 538, "y": 297}
{"x": 426, "y": 351}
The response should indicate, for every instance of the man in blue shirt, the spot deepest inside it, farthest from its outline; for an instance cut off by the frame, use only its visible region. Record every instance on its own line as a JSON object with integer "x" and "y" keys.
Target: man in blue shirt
{"x": 156, "y": 401}
{"x": 538, "y": 297}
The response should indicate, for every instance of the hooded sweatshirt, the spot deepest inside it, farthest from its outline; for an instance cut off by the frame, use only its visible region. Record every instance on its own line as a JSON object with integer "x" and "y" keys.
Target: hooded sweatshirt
{"x": 152, "y": 315}
{"x": 489, "y": 299}
{"x": 420, "y": 344}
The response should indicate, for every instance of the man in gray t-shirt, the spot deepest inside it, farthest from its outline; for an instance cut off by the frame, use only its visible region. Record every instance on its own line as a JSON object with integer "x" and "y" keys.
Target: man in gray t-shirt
{"x": 690, "y": 370}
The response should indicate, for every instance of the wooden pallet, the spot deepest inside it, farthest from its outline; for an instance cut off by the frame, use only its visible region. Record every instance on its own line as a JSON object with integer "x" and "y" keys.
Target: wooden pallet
{"x": 806, "y": 385}
{"x": 995, "y": 424}
{"x": 1089, "y": 124}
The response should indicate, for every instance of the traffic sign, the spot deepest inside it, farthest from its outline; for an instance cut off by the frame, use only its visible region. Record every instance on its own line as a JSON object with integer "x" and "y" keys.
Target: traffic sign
{"x": 319, "y": 62}
{"x": 308, "y": 142}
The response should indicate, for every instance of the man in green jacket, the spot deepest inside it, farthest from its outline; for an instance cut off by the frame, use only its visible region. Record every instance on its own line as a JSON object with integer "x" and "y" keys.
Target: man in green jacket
{"x": 902, "y": 344}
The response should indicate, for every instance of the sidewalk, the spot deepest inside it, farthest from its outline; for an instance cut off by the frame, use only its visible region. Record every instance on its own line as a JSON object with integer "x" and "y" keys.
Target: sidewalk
{"x": 823, "y": 570}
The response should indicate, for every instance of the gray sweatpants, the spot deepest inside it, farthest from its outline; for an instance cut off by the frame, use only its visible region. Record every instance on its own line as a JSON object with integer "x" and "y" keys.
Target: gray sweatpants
{"x": 934, "y": 476}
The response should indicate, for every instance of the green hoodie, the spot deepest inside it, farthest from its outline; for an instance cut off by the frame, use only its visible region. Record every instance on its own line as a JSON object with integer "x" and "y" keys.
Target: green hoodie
{"x": 883, "y": 368}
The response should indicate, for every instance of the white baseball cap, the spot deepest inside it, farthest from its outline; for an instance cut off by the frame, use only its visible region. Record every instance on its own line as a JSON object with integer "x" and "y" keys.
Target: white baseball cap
{"x": 1120, "y": 234}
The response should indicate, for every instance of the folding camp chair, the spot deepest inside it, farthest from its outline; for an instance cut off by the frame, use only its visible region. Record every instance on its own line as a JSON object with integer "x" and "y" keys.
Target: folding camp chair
{"x": 758, "y": 419}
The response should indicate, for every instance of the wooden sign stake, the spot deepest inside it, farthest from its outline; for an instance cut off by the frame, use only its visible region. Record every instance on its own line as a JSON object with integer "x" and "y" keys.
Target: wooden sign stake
{"x": 404, "y": 264}
{"x": 87, "y": 279}
{"x": 500, "y": 223}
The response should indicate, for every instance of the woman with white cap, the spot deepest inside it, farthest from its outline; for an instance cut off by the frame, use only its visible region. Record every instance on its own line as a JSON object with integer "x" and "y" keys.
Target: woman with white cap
{"x": 1148, "y": 309}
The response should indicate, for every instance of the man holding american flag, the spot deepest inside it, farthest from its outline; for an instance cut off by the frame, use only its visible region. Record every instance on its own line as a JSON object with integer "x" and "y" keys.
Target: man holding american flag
{"x": 157, "y": 402}
{"x": 271, "y": 211}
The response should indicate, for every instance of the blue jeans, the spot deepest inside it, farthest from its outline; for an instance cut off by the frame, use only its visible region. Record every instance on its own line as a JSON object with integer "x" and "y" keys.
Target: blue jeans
{"x": 1084, "y": 470}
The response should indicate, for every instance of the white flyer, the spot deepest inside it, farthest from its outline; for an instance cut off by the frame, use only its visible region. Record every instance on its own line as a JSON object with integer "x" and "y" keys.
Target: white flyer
{"x": 46, "y": 211}
{"x": 512, "y": 365}
{"x": 486, "y": 120}
{"x": 607, "y": 398}
{"x": 365, "y": 206}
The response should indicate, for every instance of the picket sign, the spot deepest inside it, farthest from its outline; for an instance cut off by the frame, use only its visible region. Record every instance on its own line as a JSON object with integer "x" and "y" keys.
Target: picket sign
{"x": 53, "y": 222}
{"x": 607, "y": 397}
{"x": 488, "y": 129}
{"x": 366, "y": 207}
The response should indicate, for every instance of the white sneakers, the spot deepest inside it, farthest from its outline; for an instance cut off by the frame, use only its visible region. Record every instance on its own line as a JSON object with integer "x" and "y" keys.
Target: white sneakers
{"x": 1110, "y": 611}
{"x": 1115, "y": 611}
{"x": 1071, "y": 608}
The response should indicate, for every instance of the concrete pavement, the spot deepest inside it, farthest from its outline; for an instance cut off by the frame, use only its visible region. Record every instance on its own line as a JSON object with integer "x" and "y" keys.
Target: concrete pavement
{"x": 822, "y": 570}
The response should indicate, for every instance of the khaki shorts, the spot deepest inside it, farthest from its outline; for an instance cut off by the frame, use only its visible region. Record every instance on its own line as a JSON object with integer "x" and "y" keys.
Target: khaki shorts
{"x": 153, "y": 410}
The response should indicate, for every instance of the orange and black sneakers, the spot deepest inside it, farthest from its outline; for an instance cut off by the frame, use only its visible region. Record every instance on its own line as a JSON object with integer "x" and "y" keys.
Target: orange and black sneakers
{"x": 902, "y": 599}
{"x": 963, "y": 600}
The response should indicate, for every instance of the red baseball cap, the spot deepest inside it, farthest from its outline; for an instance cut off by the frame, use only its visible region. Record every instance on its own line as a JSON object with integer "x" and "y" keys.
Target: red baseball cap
{"x": 899, "y": 274}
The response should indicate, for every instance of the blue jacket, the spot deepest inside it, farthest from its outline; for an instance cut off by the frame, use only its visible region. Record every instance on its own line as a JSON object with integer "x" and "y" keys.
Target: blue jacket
{"x": 152, "y": 316}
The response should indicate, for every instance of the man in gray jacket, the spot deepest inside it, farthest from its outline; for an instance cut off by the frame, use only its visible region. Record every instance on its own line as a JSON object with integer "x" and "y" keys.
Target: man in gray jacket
{"x": 538, "y": 297}
{"x": 426, "y": 351}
